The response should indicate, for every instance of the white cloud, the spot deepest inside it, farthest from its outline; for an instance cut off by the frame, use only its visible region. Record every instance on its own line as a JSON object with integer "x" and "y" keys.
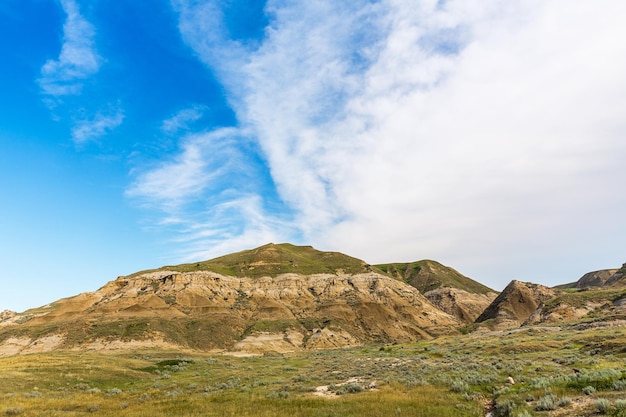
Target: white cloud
{"x": 208, "y": 192}
{"x": 77, "y": 60}
{"x": 182, "y": 119}
{"x": 483, "y": 134}
{"x": 91, "y": 129}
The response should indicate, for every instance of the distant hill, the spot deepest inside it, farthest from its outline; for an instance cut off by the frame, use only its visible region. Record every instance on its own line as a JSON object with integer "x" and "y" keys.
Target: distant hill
{"x": 446, "y": 288}
{"x": 272, "y": 298}
{"x": 591, "y": 279}
{"x": 427, "y": 275}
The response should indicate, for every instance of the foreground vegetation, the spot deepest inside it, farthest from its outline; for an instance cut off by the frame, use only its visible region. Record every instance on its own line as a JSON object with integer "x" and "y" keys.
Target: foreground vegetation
{"x": 557, "y": 373}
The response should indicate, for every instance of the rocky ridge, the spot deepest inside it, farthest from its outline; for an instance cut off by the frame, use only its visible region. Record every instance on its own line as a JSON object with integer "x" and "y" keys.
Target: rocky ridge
{"x": 207, "y": 310}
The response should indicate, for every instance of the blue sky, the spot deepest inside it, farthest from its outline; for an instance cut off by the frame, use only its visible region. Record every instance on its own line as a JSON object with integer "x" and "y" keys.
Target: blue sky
{"x": 488, "y": 136}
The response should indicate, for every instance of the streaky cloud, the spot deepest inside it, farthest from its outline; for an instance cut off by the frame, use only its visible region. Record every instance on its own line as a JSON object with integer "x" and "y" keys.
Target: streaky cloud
{"x": 182, "y": 119}
{"x": 453, "y": 130}
{"x": 209, "y": 192}
{"x": 91, "y": 129}
{"x": 77, "y": 60}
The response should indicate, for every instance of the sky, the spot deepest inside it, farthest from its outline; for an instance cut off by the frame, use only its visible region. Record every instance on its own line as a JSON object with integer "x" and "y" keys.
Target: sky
{"x": 487, "y": 135}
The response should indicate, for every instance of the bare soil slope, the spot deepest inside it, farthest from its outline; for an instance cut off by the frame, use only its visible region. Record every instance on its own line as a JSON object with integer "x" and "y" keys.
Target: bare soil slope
{"x": 515, "y": 304}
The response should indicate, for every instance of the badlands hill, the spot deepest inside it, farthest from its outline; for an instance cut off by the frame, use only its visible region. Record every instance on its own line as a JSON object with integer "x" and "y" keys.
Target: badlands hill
{"x": 273, "y": 298}
{"x": 515, "y": 304}
{"x": 597, "y": 299}
{"x": 446, "y": 288}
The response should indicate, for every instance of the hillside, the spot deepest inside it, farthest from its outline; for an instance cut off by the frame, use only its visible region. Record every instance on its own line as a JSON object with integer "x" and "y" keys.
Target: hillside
{"x": 618, "y": 279}
{"x": 588, "y": 307}
{"x": 275, "y": 259}
{"x": 325, "y": 300}
{"x": 515, "y": 304}
{"x": 427, "y": 275}
{"x": 446, "y": 288}
{"x": 591, "y": 279}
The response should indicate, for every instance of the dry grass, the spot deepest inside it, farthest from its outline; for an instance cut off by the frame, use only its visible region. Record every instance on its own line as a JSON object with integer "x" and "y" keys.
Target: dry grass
{"x": 442, "y": 377}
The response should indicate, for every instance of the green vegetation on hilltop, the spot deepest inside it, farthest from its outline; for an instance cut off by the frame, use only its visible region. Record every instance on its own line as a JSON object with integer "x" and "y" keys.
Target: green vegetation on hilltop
{"x": 600, "y": 298}
{"x": 276, "y": 259}
{"x": 427, "y": 275}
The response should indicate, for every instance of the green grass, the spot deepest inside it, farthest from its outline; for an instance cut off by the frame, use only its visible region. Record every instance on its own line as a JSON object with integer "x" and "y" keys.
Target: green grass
{"x": 580, "y": 298}
{"x": 427, "y": 275}
{"x": 449, "y": 376}
{"x": 276, "y": 259}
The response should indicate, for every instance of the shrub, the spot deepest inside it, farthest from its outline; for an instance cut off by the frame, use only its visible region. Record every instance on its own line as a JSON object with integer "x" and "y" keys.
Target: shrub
{"x": 588, "y": 390}
{"x": 546, "y": 403}
{"x": 620, "y": 404}
{"x": 14, "y": 411}
{"x": 602, "y": 405}
{"x": 503, "y": 408}
{"x": 278, "y": 394}
{"x": 350, "y": 388}
{"x": 619, "y": 385}
{"x": 459, "y": 387}
{"x": 563, "y": 402}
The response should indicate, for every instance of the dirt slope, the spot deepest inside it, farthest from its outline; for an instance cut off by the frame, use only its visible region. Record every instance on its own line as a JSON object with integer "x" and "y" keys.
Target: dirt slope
{"x": 515, "y": 304}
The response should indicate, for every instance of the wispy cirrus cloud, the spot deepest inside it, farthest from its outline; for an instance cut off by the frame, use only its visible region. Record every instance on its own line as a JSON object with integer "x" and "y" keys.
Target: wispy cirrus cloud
{"x": 65, "y": 76}
{"x": 478, "y": 133}
{"x": 210, "y": 192}
{"x": 182, "y": 119}
{"x": 77, "y": 60}
{"x": 87, "y": 130}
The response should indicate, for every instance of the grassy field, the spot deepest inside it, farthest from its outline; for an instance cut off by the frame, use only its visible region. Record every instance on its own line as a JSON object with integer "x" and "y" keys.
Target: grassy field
{"x": 564, "y": 373}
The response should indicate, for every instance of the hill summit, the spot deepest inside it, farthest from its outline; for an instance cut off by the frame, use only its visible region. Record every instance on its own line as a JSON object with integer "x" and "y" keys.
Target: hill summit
{"x": 276, "y": 259}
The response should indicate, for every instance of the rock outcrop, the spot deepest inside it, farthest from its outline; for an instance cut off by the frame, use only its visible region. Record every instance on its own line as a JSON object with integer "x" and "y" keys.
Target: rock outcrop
{"x": 515, "y": 304}
{"x": 461, "y": 304}
{"x": 618, "y": 279}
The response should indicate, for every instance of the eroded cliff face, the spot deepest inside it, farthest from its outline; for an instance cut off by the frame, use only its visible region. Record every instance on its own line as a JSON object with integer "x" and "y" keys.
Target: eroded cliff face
{"x": 461, "y": 304}
{"x": 206, "y": 310}
{"x": 595, "y": 278}
{"x": 515, "y": 304}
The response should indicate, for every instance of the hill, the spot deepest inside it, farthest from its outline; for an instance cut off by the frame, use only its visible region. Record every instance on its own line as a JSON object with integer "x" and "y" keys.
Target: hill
{"x": 446, "y": 288}
{"x": 515, "y": 304}
{"x": 591, "y": 279}
{"x": 273, "y": 260}
{"x": 427, "y": 275}
{"x": 273, "y": 298}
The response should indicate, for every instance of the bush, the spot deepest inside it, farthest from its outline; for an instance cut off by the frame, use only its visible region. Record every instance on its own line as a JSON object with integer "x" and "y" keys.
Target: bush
{"x": 459, "y": 387}
{"x": 588, "y": 390}
{"x": 350, "y": 388}
{"x": 547, "y": 403}
{"x": 619, "y": 385}
{"x": 503, "y": 408}
{"x": 602, "y": 405}
{"x": 14, "y": 411}
{"x": 620, "y": 404}
{"x": 564, "y": 402}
